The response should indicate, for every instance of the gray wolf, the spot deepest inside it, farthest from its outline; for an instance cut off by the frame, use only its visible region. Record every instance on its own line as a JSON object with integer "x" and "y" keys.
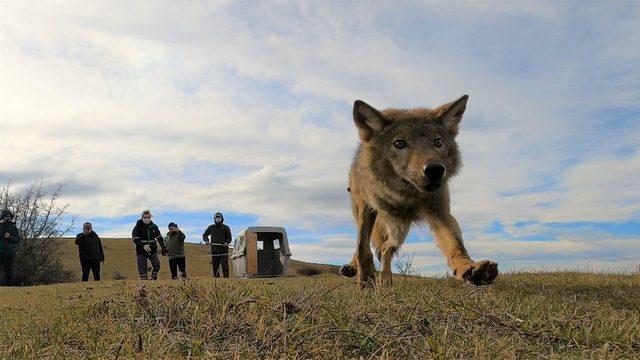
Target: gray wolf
{"x": 399, "y": 176}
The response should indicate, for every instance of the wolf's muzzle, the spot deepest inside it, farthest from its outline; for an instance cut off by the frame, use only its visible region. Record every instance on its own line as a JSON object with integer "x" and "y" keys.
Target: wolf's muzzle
{"x": 434, "y": 173}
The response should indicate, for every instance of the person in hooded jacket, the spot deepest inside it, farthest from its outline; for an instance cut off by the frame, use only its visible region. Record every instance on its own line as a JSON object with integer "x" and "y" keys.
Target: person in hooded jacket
{"x": 9, "y": 239}
{"x": 175, "y": 247}
{"x": 90, "y": 251}
{"x": 220, "y": 235}
{"x": 146, "y": 235}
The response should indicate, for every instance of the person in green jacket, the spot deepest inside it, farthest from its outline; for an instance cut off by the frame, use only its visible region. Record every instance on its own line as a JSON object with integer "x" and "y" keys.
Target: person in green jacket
{"x": 9, "y": 239}
{"x": 175, "y": 249}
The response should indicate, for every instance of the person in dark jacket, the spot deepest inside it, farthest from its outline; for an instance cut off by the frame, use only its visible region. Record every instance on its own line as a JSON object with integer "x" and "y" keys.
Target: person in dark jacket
{"x": 9, "y": 239}
{"x": 175, "y": 249}
{"x": 146, "y": 235}
{"x": 90, "y": 251}
{"x": 220, "y": 235}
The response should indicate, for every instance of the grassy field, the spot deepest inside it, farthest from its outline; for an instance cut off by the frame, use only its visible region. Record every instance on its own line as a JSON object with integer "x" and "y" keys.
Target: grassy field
{"x": 521, "y": 316}
{"x": 120, "y": 261}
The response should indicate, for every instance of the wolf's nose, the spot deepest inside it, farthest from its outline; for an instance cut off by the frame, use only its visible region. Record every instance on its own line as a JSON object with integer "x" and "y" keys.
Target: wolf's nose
{"x": 434, "y": 172}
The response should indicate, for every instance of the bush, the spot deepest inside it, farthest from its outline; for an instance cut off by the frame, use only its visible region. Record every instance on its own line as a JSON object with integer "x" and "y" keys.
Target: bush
{"x": 41, "y": 222}
{"x": 38, "y": 262}
{"x": 308, "y": 271}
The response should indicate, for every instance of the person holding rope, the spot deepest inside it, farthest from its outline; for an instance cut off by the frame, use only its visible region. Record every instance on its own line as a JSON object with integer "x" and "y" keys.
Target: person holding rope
{"x": 145, "y": 235}
{"x": 220, "y": 235}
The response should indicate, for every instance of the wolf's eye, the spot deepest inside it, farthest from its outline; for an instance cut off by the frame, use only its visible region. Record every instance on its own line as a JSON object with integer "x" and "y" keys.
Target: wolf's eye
{"x": 399, "y": 144}
{"x": 438, "y": 142}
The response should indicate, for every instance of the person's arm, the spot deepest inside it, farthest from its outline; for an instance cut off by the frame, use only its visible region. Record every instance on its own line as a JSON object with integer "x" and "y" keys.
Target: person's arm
{"x": 15, "y": 236}
{"x": 181, "y": 236}
{"x": 79, "y": 239}
{"x": 100, "y": 247}
{"x": 6, "y": 234}
{"x": 134, "y": 236}
{"x": 159, "y": 238}
{"x": 206, "y": 234}
{"x": 228, "y": 235}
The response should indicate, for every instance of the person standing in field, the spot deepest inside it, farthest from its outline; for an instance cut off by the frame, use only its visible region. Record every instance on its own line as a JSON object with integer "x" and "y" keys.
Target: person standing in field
{"x": 146, "y": 235}
{"x": 220, "y": 235}
{"x": 175, "y": 248}
{"x": 9, "y": 239}
{"x": 90, "y": 251}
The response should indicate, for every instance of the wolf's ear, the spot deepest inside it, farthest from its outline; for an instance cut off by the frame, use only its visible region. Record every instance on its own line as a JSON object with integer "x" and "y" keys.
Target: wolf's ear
{"x": 369, "y": 121}
{"x": 450, "y": 114}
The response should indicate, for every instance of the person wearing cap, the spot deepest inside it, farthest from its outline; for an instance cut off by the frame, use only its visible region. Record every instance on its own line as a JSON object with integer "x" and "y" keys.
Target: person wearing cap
{"x": 220, "y": 235}
{"x": 175, "y": 250}
{"x": 90, "y": 251}
{"x": 9, "y": 239}
{"x": 146, "y": 235}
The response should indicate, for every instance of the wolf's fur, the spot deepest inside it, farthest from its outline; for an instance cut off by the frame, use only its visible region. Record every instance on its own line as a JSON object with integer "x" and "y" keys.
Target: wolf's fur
{"x": 390, "y": 189}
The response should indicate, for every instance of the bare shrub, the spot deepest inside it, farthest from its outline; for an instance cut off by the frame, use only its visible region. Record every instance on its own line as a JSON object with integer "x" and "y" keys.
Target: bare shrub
{"x": 308, "y": 271}
{"x": 41, "y": 222}
{"x": 404, "y": 265}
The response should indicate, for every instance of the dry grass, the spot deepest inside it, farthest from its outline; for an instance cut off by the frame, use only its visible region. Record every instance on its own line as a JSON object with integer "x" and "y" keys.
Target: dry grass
{"x": 553, "y": 315}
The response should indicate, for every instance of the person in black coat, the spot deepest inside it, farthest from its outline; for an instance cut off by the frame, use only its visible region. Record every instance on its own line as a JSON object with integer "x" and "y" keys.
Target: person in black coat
{"x": 146, "y": 235}
{"x": 220, "y": 235}
{"x": 90, "y": 250}
{"x": 9, "y": 239}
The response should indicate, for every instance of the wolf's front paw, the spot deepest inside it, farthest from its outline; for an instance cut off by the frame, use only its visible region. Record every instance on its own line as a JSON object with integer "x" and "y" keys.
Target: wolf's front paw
{"x": 366, "y": 279}
{"x": 347, "y": 271}
{"x": 480, "y": 273}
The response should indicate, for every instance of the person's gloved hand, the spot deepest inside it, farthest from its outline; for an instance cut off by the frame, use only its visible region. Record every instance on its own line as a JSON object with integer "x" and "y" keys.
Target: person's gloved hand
{"x": 147, "y": 248}
{"x": 164, "y": 251}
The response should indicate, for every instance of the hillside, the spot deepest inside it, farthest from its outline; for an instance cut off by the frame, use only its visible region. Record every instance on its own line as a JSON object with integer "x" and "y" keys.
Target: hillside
{"x": 121, "y": 261}
{"x": 521, "y": 316}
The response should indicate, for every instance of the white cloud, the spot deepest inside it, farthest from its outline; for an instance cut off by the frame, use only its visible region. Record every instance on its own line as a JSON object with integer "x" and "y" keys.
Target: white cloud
{"x": 119, "y": 101}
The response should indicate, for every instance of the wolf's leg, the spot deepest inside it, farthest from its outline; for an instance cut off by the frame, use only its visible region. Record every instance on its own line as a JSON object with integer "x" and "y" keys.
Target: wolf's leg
{"x": 378, "y": 236}
{"x": 364, "y": 258}
{"x": 449, "y": 238}
{"x": 394, "y": 232}
{"x": 350, "y": 270}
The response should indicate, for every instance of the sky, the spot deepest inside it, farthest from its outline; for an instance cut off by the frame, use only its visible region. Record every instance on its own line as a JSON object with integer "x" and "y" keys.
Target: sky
{"x": 244, "y": 107}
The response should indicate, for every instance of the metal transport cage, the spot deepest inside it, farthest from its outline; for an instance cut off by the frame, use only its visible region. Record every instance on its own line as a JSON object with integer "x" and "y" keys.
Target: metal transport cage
{"x": 261, "y": 251}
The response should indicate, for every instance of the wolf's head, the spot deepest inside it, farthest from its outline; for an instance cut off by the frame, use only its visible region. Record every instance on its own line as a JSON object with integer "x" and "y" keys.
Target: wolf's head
{"x": 416, "y": 145}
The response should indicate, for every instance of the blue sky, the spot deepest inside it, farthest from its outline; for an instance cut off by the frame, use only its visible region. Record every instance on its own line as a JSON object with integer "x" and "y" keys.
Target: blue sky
{"x": 245, "y": 107}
